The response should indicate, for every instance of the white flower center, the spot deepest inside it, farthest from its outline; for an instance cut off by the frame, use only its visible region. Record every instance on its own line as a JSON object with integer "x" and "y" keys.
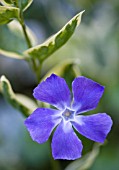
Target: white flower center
{"x": 68, "y": 114}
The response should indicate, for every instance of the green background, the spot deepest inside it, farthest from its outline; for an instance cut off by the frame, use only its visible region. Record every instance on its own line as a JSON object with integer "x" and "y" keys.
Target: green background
{"x": 95, "y": 48}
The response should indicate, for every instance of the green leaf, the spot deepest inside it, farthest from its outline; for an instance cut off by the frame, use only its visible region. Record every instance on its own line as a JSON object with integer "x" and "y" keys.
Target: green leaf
{"x": 8, "y": 1}
{"x": 27, "y": 101}
{"x": 23, "y": 103}
{"x": 25, "y": 4}
{"x": 63, "y": 67}
{"x": 59, "y": 68}
{"x": 70, "y": 72}
{"x": 86, "y": 161}
{"x": 22, "y": 4}
{"x": 43, "y": 51}
{"x": 7, "y": 14}
{"x": 12, "y": 41}
{"x": 11, "y": 54}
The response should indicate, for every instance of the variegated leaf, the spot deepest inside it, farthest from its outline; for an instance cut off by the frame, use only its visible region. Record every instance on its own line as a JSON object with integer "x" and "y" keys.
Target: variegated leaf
{"x": 7, "y": 14}
{"x": 23, "y": 105}
{"x": 43, "y": 51}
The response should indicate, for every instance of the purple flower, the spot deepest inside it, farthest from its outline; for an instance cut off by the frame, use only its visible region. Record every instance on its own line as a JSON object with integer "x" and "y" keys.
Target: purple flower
{"x": 86, "y": 95}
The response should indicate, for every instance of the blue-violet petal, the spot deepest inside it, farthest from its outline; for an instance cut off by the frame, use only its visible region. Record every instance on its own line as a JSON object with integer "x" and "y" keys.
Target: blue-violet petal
{"x": 41, "y": 123}
{"x": 65, "y": 143}
{"x": 95, "y": 127}
{"x": 87, "y": 94}
{"x": 54, "y": 91}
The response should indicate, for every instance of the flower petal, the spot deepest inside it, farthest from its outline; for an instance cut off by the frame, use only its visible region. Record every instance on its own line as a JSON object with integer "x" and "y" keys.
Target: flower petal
{"x": 54, "y": 91}
{"x": 87, "y": 94}
{"x": 95, "y": 127}
{"x": 65, "y": 143}
{"x": 41, "y": 123}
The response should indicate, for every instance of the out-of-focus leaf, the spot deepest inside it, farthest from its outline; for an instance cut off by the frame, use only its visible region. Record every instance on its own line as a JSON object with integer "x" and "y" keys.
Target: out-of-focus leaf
{"x": 11, "y": 54}
{"x": 86, "y": 161}
{"x": 43, "y": 51}
{"x": 7, "y": 14}
{"x": 24, "y": 4}
{"x": 15, "y": 27}
{"x": 59, "y": 68}
{"x": 12, "y": 41}
{"x": 76, "y": 70}
{"x": 27, "y": 101}
{"x": 7, "y": 2}
{"x": 21, "y": 104}
{"x": 70, "y": 72}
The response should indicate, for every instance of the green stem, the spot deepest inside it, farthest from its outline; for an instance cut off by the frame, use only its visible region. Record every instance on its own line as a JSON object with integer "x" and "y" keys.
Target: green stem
{"x": 38, "y": 73}
{"x": 24, "y": 30}
{"x": 36, "y": 68}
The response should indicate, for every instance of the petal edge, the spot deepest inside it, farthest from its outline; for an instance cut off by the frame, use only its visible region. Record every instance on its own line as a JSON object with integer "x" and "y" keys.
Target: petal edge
{"x": 54, "y": 91}
{"x": 95, "y": 127}
{"x": 41, "y": 123}
{"x": 65, "y": 143}
{"x": 87, "y": 94}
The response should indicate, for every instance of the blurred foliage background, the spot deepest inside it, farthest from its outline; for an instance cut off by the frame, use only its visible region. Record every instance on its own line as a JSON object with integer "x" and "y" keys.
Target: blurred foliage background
{"x": 94, "y": 47}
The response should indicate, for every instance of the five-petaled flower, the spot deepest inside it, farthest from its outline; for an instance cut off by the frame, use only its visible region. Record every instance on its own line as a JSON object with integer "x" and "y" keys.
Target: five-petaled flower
{"x": 86, "y": 95}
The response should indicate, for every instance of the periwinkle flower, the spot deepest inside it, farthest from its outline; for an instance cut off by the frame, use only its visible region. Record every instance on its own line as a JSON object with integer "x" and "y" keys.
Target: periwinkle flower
{"x": 86, "y": 95}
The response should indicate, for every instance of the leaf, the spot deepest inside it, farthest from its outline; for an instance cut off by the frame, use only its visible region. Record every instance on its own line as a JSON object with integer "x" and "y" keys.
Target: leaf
{"x": 12, "y": 41}
{"x": 63, "y": 68}
{"x": 25, "y": 100}
{"x": 59, "y": 68}
{"x": 43, "y": 51}
{"x": 70, "y": 72}
{"x": 22, "y": 4}
{"x": 6, "y": 1}
{"x": 11, "y": 54}
{"x": 14, "y": 99}
{"x": 7, "y": 14}
{"x": 86, "y": 161}
{"x": 27, "y": 4}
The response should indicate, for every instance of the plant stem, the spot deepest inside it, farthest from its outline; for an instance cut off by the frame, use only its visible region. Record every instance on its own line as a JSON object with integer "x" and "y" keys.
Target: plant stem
{"x": 24, "y": 30}
{"x": 36, "y": 68}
